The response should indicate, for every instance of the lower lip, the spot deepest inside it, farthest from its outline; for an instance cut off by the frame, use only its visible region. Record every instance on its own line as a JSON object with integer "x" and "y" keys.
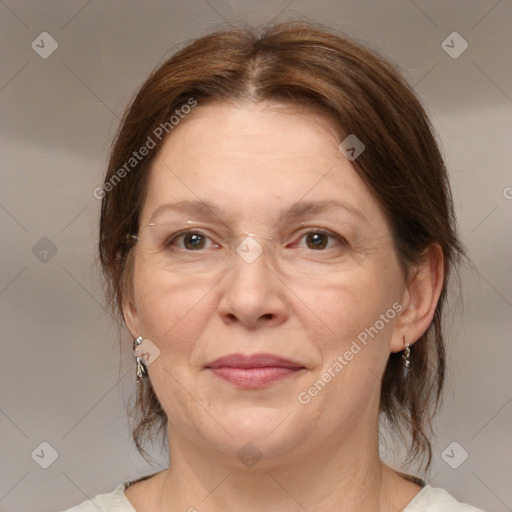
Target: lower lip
{"x": 253, "y": 378}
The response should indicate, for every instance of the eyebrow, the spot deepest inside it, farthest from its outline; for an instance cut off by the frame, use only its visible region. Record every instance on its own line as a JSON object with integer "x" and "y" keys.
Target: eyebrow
{"x": 299, "y": 209}
{"x": 303, "y": 208}
{"x": 197, "y": 208}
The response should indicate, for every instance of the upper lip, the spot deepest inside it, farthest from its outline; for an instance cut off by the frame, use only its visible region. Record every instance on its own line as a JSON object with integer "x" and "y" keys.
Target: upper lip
{"x": 253, "y": 361}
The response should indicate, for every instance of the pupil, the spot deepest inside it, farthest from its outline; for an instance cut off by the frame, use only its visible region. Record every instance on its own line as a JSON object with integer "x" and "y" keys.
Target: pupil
{"x": 318, "y": 240}
{"x": 194, "y": 241}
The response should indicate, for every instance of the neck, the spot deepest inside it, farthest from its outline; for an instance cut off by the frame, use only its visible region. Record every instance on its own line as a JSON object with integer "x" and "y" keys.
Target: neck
{"x": 335, "y": 475}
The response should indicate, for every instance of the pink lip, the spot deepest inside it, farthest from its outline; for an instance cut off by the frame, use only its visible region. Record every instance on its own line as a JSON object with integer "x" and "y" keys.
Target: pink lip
{"x": 253, "y": 371}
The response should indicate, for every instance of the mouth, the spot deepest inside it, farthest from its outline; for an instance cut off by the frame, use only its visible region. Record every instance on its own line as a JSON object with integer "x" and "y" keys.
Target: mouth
{"x": 253, "y": 371}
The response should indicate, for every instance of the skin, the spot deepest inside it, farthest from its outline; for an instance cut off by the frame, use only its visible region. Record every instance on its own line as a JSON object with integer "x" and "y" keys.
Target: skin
{"x": 253, "y": 162}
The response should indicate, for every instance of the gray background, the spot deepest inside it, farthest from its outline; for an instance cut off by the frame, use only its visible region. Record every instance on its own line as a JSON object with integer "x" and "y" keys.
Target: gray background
{"x": 63, "y": 379}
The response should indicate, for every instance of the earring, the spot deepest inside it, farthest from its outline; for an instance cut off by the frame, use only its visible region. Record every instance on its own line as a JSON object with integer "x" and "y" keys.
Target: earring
{"x": 141, "y": 369}
{"x": 406, "y": 357}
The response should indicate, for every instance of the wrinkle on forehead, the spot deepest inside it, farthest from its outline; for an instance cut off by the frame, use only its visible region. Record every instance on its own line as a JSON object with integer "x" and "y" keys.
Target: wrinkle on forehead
{"x": 256, "y": 159}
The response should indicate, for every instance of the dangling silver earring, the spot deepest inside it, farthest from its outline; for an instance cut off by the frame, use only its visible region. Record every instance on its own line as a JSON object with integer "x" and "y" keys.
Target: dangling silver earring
{"x": 406, "y": 357}
{"x": 141, "y": 369}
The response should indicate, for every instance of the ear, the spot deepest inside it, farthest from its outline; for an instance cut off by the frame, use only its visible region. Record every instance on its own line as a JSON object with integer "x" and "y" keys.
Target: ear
{"x": 420, "y": 298}
{"x": 131, "y": 318}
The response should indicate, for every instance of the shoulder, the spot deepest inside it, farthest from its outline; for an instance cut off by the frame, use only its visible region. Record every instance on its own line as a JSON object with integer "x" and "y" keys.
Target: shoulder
{"x": 432, "y": 499}
{"x": 115, "y": 501}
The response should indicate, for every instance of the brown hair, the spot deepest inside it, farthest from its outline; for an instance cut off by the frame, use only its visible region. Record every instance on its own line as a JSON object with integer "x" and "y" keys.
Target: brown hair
{"x": 361, "y": 93}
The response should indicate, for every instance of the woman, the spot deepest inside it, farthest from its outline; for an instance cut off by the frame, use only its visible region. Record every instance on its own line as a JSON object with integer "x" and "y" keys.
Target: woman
{"x": 277, "y": 233}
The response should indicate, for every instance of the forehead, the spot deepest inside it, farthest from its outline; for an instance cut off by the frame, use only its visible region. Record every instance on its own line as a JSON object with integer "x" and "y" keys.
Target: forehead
{"x": 253, "y": 161}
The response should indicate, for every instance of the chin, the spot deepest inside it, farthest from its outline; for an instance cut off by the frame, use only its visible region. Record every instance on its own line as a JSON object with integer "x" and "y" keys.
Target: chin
{"x": 259, "y": 435}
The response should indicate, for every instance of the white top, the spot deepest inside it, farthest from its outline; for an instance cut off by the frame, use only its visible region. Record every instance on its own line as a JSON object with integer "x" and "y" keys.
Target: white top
{"x": 429, "y": 499}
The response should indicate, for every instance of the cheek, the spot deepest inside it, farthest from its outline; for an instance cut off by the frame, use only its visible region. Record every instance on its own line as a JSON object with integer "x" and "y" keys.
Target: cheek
{"x": 171, "y": 308}
{"x": 356, "y": 350}
{"x": 351, "y": 302}
{"x": 357, "y": 307}
{"x": 173, "y": 312}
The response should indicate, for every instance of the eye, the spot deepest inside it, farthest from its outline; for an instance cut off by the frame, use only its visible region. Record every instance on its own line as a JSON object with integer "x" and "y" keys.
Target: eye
{"x": 190, "y": 241}
{"x": 318, "y": 240}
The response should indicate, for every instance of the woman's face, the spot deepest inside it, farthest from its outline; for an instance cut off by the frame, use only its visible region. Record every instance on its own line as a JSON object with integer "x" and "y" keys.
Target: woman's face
{"x": 323, "y": 293}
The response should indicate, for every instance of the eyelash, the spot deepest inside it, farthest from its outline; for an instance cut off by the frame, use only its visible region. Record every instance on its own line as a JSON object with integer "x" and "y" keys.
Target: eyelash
{"x": 177, "y": 236}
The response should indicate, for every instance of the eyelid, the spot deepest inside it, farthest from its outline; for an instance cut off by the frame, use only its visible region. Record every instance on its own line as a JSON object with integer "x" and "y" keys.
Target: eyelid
{"x": 339, "y": 238}
{"x": 182, "y": 233}
{"x": 218, "y": 239}
{"x": 333, "y": 236}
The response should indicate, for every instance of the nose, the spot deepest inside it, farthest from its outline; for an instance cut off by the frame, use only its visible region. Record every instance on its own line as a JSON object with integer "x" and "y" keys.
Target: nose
{"x": 253, "y": 295}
